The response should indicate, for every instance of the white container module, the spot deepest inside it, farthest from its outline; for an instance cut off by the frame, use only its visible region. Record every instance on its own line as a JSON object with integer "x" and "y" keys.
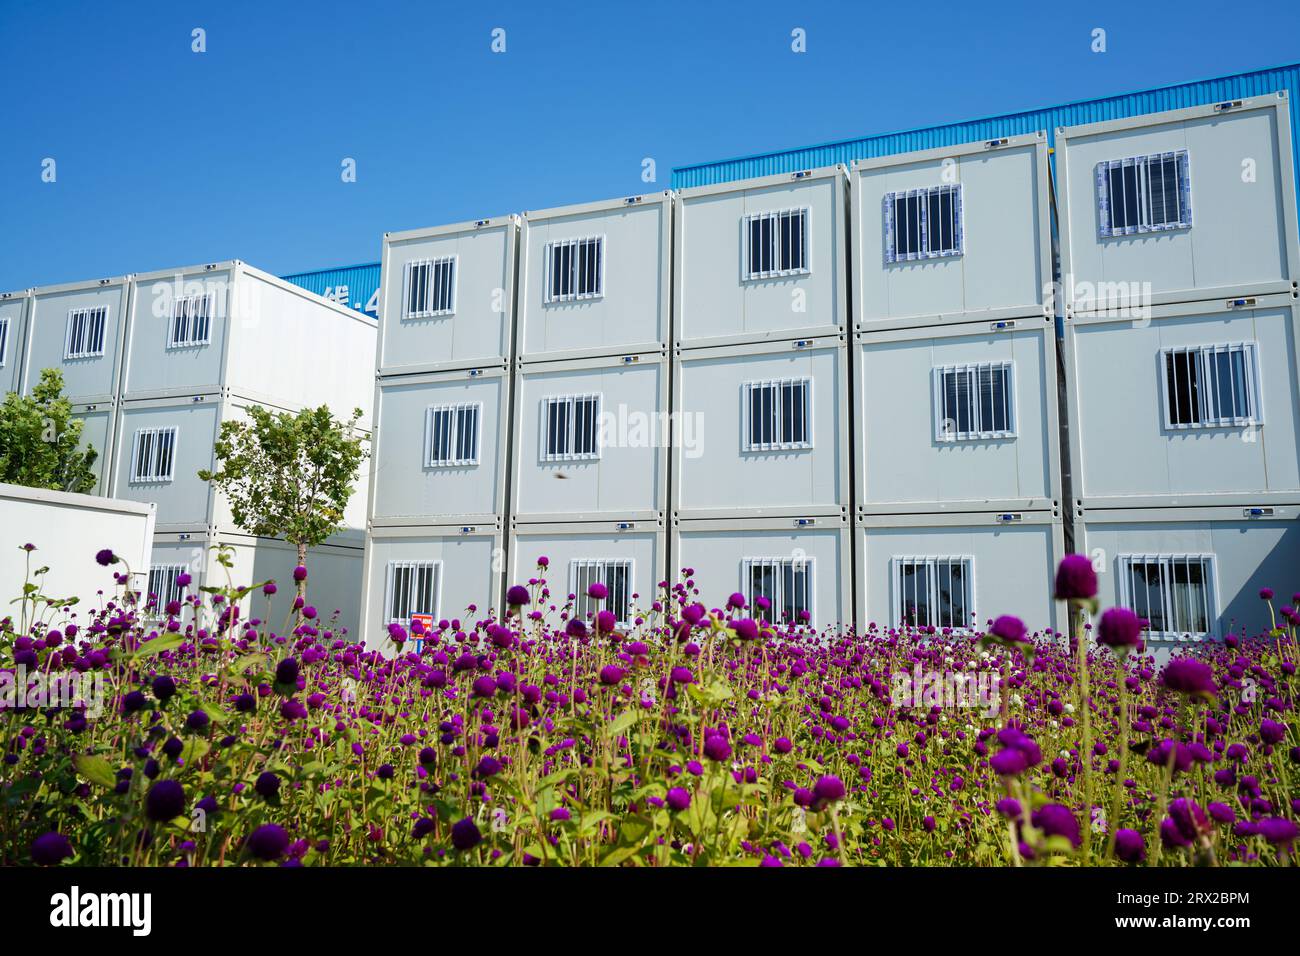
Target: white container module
{"x": 78, "y": 328}
{"x": 629, "y": 557}
{"x": 960, "y": 416}
{"x": 942, "y": 233}
{"x": 957, "y": 570}
{"x": 1194, "y": 572}
{"x": 762, "y": 258}
{"x": 98, "y": 431}
{"x": 447, "y": 296}
{"x": 799, "y": 564}
{"x": 430, "y": 573}
{"x": 594, "y": 279}
{"x": 1190, "y": 204}
{"x": 13, "y": 337}
{"x": 230, "y": 326}
{"x": 762, "y": 429}
{"x": 1198, "y": 400}
{"x": 440, "y": 447}
{"x": 591, "y": 439}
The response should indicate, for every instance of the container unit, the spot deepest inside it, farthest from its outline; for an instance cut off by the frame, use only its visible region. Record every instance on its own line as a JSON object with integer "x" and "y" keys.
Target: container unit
{"x": 761, "y": 259}
{"x": 447, "y": 297}
{"x": 629, "y": 557}
{"x": 1194, "y": 572}
{"x": 591, "y": 439}
{"x": 13, "y": 336}
{"x": 1190, "y": 204}
{"x": 952, "y": 234}
{"x": 957, "y": 569}
{"x": 80, "y": 329}
{"x": 98, "y": 431}
{"x": 800, "y": 564}
{"x": 594, "y": 279}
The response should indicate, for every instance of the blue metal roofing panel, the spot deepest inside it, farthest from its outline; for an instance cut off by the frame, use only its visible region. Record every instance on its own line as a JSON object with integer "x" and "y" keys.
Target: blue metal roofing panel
{"x": 355, "y": 286}
{"x": 1238, "y": 86}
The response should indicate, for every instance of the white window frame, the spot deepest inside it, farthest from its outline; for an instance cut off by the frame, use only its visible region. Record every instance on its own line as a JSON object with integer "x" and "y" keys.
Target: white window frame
{"x": 443, "y": 293}
{"x": 96, "y": 319}
{"x": 183, "y": 310}
{"x": 1105, "y": 201}
{"x": 584, "y": 571}
{"x": 747, "y": 390}
{"x": 4, "y": 340}
{"x": 779, "y": 566}
{"x": 453, "y": 443}
{"x": 890, "y": 204}
{"x": 932, "y": 564}
{"x": 154, "y": 474}
{"x": 390, "y": 590}
{"x": 169, "y": 590}
{"x": 804, "y": 216}
{"x": 551, "y": 295}
{"x": 1166, "y": 563}
{"x": 942, "y": 414}
{"x": 571, "y": 402}
{"x": 1207, "y": 396}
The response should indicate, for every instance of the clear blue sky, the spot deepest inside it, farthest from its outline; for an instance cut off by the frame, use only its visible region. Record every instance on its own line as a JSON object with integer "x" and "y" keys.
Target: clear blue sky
{"x": 166, "y": 157}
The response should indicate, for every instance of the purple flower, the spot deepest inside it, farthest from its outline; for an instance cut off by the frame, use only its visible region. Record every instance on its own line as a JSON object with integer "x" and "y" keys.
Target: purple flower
{"x": 678, "y": 798}
{"x": 269, "y": 588}
{"x": 267, "y": 785}
{"x": 300, "y": 574}
{"x": 746, "y": 628}
{"x": 1278, "y": 831}
{"x": 717, "y": 748}
{"x": 268, "y": 842}
{"x": 1119, "y": 627}
{"x": 164, "y": 688}
{"x": 465, "y": 835}
{"x": 286, "y": 672}
{"x": 50, "y": 849}
{"x": 1188, "y": 676}
{"x": 487, "y": 767}
{"x": 105, "y": 557}
{"x": 576, "y": 628}
{"x": 485, "y": 686}
{"x": 1056, "y": 820}
{"x": 611, "y": 674}
{"x": 826, "y": 790}
{"x": 1266, "y": 594}
{"x": 737, "y": 602}
{"x": 517, "y": 596}
{"x": 164, "y": 801}
{"x": 605, "y": 620}
{"x": 1075, "y": 578}
{"x": 1009, "y": 628}
{"x": 1129, "y": 846}
{"x": 1271, "y": 732}
{"x": 597, "y": 591}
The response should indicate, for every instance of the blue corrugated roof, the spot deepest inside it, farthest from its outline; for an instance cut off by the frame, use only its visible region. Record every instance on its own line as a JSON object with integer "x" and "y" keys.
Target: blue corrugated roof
{"x": 357, "y": 286}
{"x": 1200, "y": 93}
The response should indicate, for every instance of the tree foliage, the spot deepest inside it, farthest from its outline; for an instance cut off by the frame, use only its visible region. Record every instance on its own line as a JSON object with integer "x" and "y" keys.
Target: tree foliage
{"x": 39, "y": 440}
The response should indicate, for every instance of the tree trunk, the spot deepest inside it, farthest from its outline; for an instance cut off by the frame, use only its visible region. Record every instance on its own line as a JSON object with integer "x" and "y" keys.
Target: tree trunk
{"x": 302, "y": 585}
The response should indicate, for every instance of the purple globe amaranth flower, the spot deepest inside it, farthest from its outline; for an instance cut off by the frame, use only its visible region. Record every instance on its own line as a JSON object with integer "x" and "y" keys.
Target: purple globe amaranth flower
{"x": 164, "y": 688}
{"x": 50, "y": 849}
{"x": 1189, "y": 676}
{"x": 164, "y": 801}
{"x": 465, "y": 835}
{"x": 1221, "y": 812}
{"x": 299, "y": 574}
{"x": 269, "y": 588}
{"x": 575, "y": 628}
{"x": 606, "y": 622}
{"x": 485, "y": 686}
{"x": 487, "y": 767}
{"x": 1129, "y": 846}
{"x": 678, "y": 798}
{"x": 268, "y": 842}
{"x": 611, "y": 674}
{"x": 1279, "y": 831}
{"x": 1171, "y": 836}
{"x": 746, "y": 629}
{"x": 737, "y": 601}
{"x": 597, "y": 591}
{"x": 267, "y": 785}
{"x": 1119, "y": 628}
{"x": 1266, "y": 594}
{"x": 693, "y": 614}
{"x": 717, "y": 748}
{"x": 1271, "y": 732}
{"x": 1057, "y": 820}
{"x": 198, "y": 720}
{"x": 543, "y": 561}
{"x": 1009, "y": 807}
{"x": 782, "y": 745}
{"x": 517, "y": 596}
{"x": 1010, "y": 629}
{"x": 105, "y": 557}
{"x": 286, "y": 672}
{"x": 1076, "y": 579}
{"x": 827, "y": 790}
{"x": 1189, "y": 818}
{"x": 1008, "y": 762}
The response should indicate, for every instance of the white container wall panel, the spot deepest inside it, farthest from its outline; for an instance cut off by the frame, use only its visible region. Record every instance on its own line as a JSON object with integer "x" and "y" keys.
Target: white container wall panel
{"x": 1201, "y": 399}
{"x": 796, "y": 567}
{"x": 958, "y": 571}
{"x": 161, "y": 448}
{"x": 178, "y": 333}
{"x": 447, "y": 296}
{"x": 591, "y": 438}
{"x": 595, "y": 279}
{"x": 440, "y": 448}
{"x": 78, "y": 329}
{"x": 1168, "y": 207}
{"x": 958, "y": 415}
{"x": 629, "y": 557}
{"x": 98, "y": 420}
{"x": 13, "y": 329}
{"x": 949, "y": 231}
{"x": 762, "y": 428}
{"x": 433, "y": 573}
{"x": 760, "y": 259}
{"x": 1194, "y": 572}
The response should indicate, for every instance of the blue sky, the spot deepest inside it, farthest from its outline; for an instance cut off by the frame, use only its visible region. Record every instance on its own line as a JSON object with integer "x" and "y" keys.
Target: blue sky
{"x": 168, "y": 157}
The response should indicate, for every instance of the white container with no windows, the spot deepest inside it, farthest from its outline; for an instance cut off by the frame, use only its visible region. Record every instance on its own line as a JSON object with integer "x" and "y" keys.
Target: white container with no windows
{"x": 78, "y": 328}
{"x": 98, "y": 431}
{"x": 13, "y": 339}
{"x": 1191, "y": 204}
{"x": 594, "y": 279}
{"x": 761, "y": 259}
{"x": 943, "y": 233}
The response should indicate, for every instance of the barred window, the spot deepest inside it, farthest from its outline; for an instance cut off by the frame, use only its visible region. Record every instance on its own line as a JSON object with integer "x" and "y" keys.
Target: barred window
{"x": 776, "y": 414}
{"x": 4, "y": 341}
{"x": 1210, "y": 386}
{"x": 429, "y": 288}
{"x": 787, "y": 583}
{"x": 1174, "y": 593}
{"x": 153, "y": 455}
{"x": 615, "y": 574}
{"x": 163, "y": 583}
{"x": 85, "y": 338}
{"x": 451, "y": 434}
{"x": 974, "y": 401}
{"x": 571, "y": 427}
{"x": 575, "y": 269}
{"x": 923, "y": 224}
{"x": 1144, "y": 194}
{"x": 191, "y": 322}
{"x": 935, "y": 591}
{"x": 776, "y": 244}
{"x": 413, "y": 587}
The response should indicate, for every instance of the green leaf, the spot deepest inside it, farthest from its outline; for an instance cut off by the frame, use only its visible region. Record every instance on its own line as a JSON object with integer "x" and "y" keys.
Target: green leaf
{"x": 164, "y": 642}
{"x": 622, "y": 723}
{"x": 95, "y": 769}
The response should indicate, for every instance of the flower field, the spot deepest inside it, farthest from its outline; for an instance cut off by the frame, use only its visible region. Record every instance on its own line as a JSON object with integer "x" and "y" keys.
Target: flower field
{"x": 702, "y": 736}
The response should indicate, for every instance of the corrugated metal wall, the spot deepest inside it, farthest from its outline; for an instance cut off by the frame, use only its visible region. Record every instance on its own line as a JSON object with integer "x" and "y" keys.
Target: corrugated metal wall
{"x": 1257, "y": 83}
{"x": 358, "y": 283}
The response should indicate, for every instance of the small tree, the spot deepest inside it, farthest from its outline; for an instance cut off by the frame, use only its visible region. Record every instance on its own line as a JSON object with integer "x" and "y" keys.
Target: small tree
{"x": 39, "y": 440}
{"x": 288, "y": 476}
